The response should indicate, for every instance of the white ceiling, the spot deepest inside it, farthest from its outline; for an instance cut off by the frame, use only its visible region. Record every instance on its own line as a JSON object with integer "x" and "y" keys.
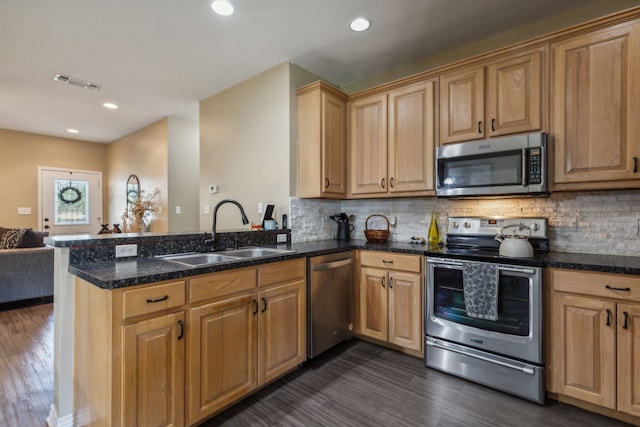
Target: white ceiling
{"x": 159, "y": 58}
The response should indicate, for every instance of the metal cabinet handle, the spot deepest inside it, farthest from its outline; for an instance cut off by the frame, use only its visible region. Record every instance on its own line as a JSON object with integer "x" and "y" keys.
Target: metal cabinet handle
{"x": 382, "y": 182}
{"x": 480, "y": 126}
{"x": 608, "y": 317}
{"x": 255, "y": 302}
{"x": 391, "y": 182}
{"x": 617, "y": 289}
{"x": 387, "y": 261}
{"x": 626, "y": 320}
{"x": 635, "y": 165}
{"x": 383, "y": 281}
{"x": 264, "y": 305}
{"x": 390, "y": 282}
{"x": 181, "y": 324}
{"x": 164, "y": 298}
{"x": 326, "y": 183}
{"x": 493, "y": 125}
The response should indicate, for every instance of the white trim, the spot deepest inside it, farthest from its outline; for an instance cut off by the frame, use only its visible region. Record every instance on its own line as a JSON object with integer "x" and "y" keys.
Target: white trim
{"x": 54, "y": 421}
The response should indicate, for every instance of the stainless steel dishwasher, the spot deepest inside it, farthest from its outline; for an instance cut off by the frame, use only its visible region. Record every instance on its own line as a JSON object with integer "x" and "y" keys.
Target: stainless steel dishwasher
{"x": 330, "y": 301}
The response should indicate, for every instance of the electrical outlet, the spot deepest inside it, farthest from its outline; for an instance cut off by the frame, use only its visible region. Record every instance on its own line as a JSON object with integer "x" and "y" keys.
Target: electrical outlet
{"x": 213, "y": 189}
{"x": 178, "y": 210}
{"x": 281, "y": 238}
{"x": 24, "y": 211}
{"x": 260, "y": 207}
{"x": 126, "y": 250}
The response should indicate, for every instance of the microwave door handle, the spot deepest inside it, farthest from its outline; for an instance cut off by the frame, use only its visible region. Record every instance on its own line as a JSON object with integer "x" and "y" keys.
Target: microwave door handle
{"x": 524, "y": 166}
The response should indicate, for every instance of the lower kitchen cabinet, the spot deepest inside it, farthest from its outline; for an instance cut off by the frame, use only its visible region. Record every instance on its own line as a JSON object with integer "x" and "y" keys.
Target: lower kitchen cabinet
{"x": 129, "y": 355}
{"x": 594, "y": 343}
{"x": 176, "y": 353}
{"x": 390, "y": 299}
{"x": 243, "y": 336}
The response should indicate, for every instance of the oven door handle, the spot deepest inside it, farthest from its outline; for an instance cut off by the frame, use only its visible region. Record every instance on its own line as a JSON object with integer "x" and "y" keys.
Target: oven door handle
{"x": 440, "y": 261}
{"x": 517, "y": 270}
{"x": 476, "y": 355}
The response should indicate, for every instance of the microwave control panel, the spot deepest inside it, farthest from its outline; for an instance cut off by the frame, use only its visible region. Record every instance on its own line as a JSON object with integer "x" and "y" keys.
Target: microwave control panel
{"x": 535, "y": 165}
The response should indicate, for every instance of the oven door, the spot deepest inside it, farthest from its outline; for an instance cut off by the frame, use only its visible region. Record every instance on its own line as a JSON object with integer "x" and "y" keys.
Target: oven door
{"x": 517, "y": 332}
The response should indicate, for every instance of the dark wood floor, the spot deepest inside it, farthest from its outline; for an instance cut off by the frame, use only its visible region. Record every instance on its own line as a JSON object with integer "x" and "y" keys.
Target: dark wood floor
{"x": 26, "y": 365}
{"x": 361, "y": 384}
{"x": 357, "y": 384}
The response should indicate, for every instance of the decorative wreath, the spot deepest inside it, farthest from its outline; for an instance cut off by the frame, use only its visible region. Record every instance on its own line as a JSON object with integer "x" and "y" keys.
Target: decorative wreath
{"x": 69, "y": 195}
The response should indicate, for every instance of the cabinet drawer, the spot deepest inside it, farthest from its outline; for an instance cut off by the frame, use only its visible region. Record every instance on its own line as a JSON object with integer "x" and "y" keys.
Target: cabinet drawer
{"x": 281, "y": 272}
{"x": 391, "y": 261}
{"x": 219, "y": 284}
{"x": 590, "y": 283}
{"x": 152, "y": 298}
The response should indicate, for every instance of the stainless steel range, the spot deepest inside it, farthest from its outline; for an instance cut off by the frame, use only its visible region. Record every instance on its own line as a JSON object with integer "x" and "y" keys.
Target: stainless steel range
{"x": 484, "y": 312}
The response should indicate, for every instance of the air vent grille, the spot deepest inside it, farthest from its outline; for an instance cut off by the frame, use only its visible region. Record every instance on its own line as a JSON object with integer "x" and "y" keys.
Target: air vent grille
{"x": 75, "y": 81}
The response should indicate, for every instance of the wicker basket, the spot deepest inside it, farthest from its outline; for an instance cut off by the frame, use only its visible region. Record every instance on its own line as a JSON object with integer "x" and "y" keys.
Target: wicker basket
{"x": 376, "y": 235}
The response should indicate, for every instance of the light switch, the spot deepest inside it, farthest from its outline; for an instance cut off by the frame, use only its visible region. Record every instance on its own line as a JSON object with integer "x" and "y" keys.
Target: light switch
{"x": 24, "y": 211}
{"x": 178, "y": 210}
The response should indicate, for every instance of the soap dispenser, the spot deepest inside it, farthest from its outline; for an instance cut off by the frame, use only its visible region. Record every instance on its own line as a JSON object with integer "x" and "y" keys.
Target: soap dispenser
{"x": 434, "y": 233}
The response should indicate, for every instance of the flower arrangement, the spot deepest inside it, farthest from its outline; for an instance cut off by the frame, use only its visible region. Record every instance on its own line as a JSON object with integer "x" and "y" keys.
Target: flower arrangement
{"x": 133, "y": 219}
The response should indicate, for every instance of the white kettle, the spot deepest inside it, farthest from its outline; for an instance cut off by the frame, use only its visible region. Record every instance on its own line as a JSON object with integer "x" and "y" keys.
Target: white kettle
{"x": 515, "y": 245}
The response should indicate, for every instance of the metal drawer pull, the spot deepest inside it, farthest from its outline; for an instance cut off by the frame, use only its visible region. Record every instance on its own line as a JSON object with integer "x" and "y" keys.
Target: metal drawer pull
{"x": 608, "y": 317}
{"x": 382, "y": 182}
{"x": 264, "y": 305}
{"x": 255, "y": 302}
{"x": 181, "y": 324}
{"x": 164, "y": 298}
{"x": 493, "y": 125}
{"x": 384, "y": 261}
{"x": 480, "y": 127}
{"x": 617, "y": 289}
{"x": 391, "y": 184}
{"x": 383, "y": 281}
{"x": 326, "y": 183}
{"x": 626, "y": 320}
{"x": 390, "y": 282}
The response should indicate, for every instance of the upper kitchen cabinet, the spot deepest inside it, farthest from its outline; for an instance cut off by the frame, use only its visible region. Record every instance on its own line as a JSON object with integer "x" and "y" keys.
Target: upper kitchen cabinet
{"x": 595, "y": 107}
{"x": 321, "y": 121}
{"x": 392, "y": 138}
{"x": 501, "y": 97}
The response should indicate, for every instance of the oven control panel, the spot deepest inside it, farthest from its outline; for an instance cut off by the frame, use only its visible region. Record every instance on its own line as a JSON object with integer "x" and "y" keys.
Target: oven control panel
{"x": 479, "y": 226}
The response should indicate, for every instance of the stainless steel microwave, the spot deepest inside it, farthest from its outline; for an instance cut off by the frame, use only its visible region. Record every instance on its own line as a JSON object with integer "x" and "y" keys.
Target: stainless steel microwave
{"x": 506, "y": 166}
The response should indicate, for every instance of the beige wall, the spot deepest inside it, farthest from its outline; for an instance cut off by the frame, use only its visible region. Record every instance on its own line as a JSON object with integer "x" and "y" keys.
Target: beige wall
{"x": 244, "y": 148}
{"x": 145, "y": 154}
{"x": 184, "y": 175}
{"x": 22, "y": 153}
{"x": 534, "y": 29}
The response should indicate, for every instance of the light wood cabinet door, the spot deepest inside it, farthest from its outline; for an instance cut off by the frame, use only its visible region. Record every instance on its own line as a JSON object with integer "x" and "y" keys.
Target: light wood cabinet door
{"x": 595, "y": 92}
{"x": 282, "y": 330}
{"x": 368, "y": 145}
{"x": 583, "y": 349}
{"x": 462, "y": 105}
{"x": 629, "y": 358}
{"x": 411, "y": 138}
{"x": 514, "y": 94}
{"x": 374, "y": 303}
{"x": 153, "y": 372}
{"x": 222, "y": 352}
{"x": 405, "y": 310}
{"x": 322, "y": 149}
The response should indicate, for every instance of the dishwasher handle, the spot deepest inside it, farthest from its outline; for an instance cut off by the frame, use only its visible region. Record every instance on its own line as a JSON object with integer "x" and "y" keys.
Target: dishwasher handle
{"x": 331, "y": 265}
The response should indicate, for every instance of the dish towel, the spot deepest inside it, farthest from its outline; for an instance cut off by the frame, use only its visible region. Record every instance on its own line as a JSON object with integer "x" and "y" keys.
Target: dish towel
{"x": 480, "y": 284}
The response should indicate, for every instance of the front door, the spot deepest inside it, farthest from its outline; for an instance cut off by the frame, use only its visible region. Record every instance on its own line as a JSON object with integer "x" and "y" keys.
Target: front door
{"x": 70, "y": 201}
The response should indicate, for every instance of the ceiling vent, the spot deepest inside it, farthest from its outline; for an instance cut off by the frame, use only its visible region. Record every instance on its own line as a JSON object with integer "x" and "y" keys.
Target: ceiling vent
{"x": 77, "y": 82}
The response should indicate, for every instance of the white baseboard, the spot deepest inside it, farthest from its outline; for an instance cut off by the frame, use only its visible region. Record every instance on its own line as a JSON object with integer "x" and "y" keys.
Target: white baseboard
{"x": 54, "y": 421}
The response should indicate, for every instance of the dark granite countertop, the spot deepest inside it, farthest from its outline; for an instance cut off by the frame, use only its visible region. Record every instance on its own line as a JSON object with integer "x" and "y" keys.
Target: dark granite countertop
{"x": 142, "y": 270}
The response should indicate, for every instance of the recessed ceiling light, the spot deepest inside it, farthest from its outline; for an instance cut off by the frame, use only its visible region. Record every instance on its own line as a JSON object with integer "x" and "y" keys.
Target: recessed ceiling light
{"x": 222, "y": 7}
{"x": 73, "y": 130}
{"x": 110, "y": 105}
{"x": 359, "y": 24}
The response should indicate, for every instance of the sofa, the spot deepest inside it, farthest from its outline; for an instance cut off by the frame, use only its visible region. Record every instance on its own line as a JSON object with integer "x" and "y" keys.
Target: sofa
{"x": 26, "y": 265}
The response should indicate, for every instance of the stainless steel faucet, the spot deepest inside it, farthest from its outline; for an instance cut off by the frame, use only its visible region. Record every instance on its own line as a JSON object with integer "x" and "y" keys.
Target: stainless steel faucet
{"x": 245, "y": 220}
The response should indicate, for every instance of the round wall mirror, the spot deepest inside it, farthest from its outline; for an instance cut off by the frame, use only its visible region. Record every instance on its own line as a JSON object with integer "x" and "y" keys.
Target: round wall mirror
{"x": 133, "y": 189}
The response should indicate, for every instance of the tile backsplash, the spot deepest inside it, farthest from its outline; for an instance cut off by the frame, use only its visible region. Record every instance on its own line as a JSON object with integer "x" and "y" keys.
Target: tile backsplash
{"x": 604, "y": 222}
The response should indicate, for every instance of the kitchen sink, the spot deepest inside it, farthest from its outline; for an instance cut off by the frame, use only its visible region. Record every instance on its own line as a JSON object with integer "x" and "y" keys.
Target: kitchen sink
{"x": 257, "y": 252}
{"x": 203, "y": 259}
{"x": 199, "y": 259}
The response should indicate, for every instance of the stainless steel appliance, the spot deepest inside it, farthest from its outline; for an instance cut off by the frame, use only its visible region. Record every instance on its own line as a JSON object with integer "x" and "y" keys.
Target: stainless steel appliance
{"x": 330, "y": 301}
{"x": 510, "y": 165}
{"x": 503, "y": 351}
